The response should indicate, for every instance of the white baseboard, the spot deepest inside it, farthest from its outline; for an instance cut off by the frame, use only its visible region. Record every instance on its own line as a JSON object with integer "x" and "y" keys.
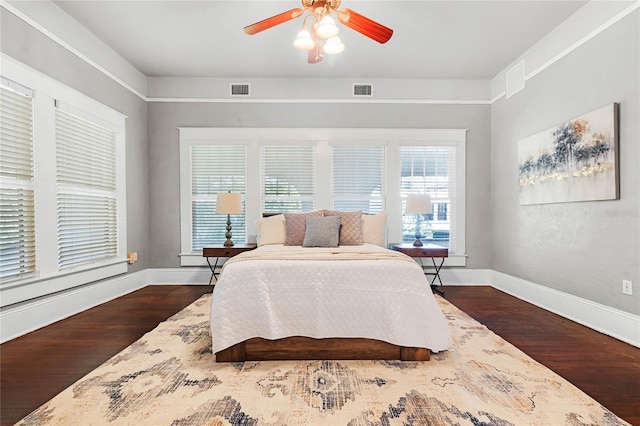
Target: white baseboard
{"x": 194, "y": 276}
{"x": 612, "y": 322}
{"x": 184, "y": 275}
{"x": 22, "y": 318}
{"x": 464, "y": 276}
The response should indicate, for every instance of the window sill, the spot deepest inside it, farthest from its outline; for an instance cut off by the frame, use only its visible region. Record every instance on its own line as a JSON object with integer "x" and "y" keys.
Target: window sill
{"x": 21, "y": 290}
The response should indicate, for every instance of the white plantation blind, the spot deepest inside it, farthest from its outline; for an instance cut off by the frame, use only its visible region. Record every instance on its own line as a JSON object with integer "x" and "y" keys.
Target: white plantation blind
{"x": 17, "y": 220}
{"x": 301, "y": 169}
{"x": 215, "y": 169}
{"x": 357, "y": 178}
{"x": 288, "y": 176}
{"x": 430, "y": 170}
{"x": 86, "y": 190}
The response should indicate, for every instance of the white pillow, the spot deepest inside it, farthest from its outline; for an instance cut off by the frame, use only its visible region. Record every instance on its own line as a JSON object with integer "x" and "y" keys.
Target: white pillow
{"x": 373, "y": 228}
{"x": 271, "y": 230}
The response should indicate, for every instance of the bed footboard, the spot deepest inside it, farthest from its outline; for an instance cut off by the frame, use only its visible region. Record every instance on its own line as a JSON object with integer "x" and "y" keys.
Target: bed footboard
{"x": 307, "y": 348}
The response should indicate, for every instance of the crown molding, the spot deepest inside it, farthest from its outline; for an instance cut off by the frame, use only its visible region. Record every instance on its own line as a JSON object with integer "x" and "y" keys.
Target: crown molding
{"x": 54, "y": 23}
{"x": 586, "y": 24}
{"x": 51, "y": 21}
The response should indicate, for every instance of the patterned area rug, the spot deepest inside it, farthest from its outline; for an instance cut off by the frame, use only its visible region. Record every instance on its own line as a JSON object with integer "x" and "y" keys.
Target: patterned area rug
{"x": 170, "y": 377}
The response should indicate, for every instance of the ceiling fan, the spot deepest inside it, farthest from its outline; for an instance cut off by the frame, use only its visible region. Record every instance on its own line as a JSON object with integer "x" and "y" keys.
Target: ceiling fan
{"x": 323, "y": 34}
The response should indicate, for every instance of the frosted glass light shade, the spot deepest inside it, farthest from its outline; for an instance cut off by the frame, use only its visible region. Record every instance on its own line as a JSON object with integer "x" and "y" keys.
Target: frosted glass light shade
{"x": 304, "y": 41}
{"x": 327, "y": 28}
{"x": 333, "y": 46}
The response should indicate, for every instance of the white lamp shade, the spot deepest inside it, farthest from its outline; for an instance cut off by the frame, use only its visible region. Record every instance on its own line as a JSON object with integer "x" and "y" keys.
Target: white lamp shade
{"x": 229, "y": 203}
{"x": 333, "y": 46}
{"x": 327, "y": 28}
{"x": 304, "y": 40}
{"x": 418, "y": 204}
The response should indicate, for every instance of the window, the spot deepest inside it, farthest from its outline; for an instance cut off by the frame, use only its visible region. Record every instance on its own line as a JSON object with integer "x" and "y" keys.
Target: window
{"x": 17, "y": 223}
{"x": 426, "y": 170}
{"x": 289, "y": 170}
{"x": 87, "y": 192}
{"x": 214, "y": 169}
{"x": 288, "y": 178}
{"x": 62, "y": 180}
{"x": 357, "y": 178}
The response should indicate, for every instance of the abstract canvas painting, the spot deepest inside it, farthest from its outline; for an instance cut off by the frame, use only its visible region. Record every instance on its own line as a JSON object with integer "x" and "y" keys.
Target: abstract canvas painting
{"x": 574, "y": 161}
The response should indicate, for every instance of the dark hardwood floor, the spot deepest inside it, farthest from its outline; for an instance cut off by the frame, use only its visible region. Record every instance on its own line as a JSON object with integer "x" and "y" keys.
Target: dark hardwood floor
{"x": 37, "y": 366}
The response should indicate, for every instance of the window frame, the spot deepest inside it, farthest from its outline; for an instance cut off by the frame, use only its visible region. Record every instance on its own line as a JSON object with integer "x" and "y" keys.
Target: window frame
{"x": 187, "y": 141}
{"x": 436, "y": 200}
{"x": 19, "y": 183}
{"x": 71, "y": 185}
{"x": 323, "y": 139}
{"x": 48, "y": 277}
{"x": 311, "y": 197}
{"x": 354, "y": 196}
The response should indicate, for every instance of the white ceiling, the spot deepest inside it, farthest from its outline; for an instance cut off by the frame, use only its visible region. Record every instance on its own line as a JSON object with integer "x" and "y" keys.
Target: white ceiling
{"x": 431, "y": 40}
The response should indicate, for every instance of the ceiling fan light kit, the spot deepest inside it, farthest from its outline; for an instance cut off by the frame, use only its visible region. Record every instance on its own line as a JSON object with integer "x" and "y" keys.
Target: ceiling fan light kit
{"x": 323, "y": 34}
{"x": 304, "y": 40}
{"x": 327, "y": 28}
{"x": 333, "y": 46}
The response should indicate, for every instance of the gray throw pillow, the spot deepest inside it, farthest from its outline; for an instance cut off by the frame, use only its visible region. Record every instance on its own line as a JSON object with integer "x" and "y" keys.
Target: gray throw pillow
{"x": 295, "y": 224}
{"x": 322, "y": 232}
{"x": 351, "y": 229}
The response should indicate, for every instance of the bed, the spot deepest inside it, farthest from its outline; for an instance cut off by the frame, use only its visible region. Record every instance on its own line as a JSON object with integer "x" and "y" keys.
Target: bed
{"x": 356, "y": 301}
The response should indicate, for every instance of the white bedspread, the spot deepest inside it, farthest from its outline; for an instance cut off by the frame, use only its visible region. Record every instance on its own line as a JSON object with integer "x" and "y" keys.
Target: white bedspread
{"x": 364, "y": 291}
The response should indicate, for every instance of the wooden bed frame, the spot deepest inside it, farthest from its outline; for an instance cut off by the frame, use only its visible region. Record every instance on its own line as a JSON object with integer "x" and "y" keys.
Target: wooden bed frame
{"x": 307, "y": 348}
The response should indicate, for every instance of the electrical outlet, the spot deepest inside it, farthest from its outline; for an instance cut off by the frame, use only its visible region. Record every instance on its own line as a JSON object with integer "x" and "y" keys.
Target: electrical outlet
{"x": 132, "y": 257}
{"x": 627, "y": 287}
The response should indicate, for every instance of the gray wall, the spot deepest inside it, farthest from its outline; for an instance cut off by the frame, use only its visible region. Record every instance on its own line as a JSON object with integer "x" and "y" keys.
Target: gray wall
{"x": 164, "y": 118}
{"x": 24, "y": 43}
{"x": 587, "y": 248}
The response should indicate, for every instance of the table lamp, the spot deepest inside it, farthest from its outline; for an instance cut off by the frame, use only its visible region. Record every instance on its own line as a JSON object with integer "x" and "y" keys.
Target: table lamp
{"x": 418, "y": 204}
{"x": 228, "y": 203}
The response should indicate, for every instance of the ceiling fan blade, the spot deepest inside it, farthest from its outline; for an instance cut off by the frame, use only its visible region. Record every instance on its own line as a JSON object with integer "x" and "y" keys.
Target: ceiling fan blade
{"x": 265, "y": 24}
{"x": 364, "y": 25}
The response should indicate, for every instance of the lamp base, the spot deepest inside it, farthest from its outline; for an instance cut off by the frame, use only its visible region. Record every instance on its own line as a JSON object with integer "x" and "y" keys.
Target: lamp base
{"x": 228, "y": 242}
{"x": 418, "y": 235}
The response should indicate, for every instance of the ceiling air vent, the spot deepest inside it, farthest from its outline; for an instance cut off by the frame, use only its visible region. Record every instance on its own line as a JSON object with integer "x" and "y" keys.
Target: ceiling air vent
{"x": 362, "y": 89}
{"x": 239, "y": 89}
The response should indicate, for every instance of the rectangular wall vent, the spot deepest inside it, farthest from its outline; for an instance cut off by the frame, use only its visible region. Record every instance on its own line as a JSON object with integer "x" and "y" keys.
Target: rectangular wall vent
{"x": 362, "y": 89}
{"x": 240, "y": 89}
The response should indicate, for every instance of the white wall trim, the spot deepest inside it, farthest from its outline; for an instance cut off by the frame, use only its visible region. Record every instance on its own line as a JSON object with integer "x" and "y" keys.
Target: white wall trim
{"x": 52, "y": 15}
{"x": 583, "y": 40}
{"x": 201, "y": 275}
{"x": 544, "y": 53}
{"x": 142, "y": 80}
{"x": 498, "y": 97}
{"x": 613, "y": 322}
{"x": 22, "y": 318}
{"x": 184, "y": 275}
{"x": 28, "y": 316}
{"x": 324, "y": 101}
